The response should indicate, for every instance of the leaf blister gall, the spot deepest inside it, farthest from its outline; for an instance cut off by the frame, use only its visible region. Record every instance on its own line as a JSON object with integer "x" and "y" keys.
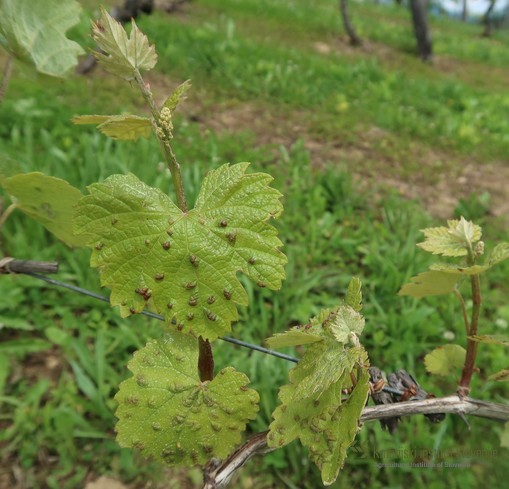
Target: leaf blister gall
{"x": 224, "y": 193}
{"x": 193, "y": 424}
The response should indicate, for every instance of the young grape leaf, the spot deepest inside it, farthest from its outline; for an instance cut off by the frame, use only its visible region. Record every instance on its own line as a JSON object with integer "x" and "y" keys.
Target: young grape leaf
{"x": 344, "y": 322}
{"x": 123, "y": 55}
{"x": 177, "y": 96}
{"x": 293, "y": 337}
{"x": 458, "y": 270}
{"x": 184, "y": 264}
{"x": 354, "y": 294}
{"x": 35, "y": 33}
{"x": 169, "y": 414}
{"x": 48, "y": 200}
{"x": 341, "y": 322}
{"x": 126, "y": 126}
{"x": 498, "y": 254}
{"x": 430, "y": 283}
{"x": 501, "y": 376}
{"x": 325, "y": 423}
{"x": 504, "y": 437}
{"x": 453, "y": 240}
{"x": 495, "y": 339}
{"x": 312, "y": 405}
{"x": 444, "y": 360}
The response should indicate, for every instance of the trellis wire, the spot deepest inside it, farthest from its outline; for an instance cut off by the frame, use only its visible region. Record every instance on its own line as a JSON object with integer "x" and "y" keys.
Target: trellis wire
{"x": 152, "y": 315}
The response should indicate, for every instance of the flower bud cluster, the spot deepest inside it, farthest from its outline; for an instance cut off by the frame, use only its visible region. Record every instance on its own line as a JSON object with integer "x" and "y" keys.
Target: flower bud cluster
{"x": 165, "y": 126}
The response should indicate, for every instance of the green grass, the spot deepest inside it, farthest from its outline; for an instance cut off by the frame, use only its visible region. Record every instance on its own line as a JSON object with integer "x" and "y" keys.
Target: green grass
{"x": 63, "y": 355}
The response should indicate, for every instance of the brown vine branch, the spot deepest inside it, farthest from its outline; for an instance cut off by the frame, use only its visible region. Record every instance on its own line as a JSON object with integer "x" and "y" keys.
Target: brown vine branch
{"x": 11, "y": 265}
{"x": 217, "y": 474}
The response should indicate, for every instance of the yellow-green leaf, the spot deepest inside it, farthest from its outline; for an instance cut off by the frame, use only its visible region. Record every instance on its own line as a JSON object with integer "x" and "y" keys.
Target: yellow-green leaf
{"x": 294, "y": 337}
{"x": 169, "y": 414}
{"x": 453, "y": 240}
{"x": 34, "y": 31}
{"x": 430, "y": 283}
{"x": 313, "y": 405}
{"x": 126, "y": 126}
{"x": 445, "y": 360}
{"x": 498, "y": 254}
{"x": 501, "y": 376}
{"x": 48, "y": 200}
{"x": 354, "y": 294}
{"x": 184, "y": 265}
{"x": 123, "y": 55}
{"x": 458, "y": 270}
{"x": 495, "y": 339}
{"x": 177, "y": 96}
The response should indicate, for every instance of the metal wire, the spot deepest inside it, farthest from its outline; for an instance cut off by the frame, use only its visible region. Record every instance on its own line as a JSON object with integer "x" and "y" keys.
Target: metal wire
{"x": 152, "y": 315}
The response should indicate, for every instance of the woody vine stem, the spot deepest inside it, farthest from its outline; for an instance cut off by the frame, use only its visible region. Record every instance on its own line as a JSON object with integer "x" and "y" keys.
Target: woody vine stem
{"x": 163, "y": 130}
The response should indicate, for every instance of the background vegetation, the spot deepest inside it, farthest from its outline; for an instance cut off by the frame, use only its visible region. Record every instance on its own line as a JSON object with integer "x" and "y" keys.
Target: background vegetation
{"x": 368, "y": 146}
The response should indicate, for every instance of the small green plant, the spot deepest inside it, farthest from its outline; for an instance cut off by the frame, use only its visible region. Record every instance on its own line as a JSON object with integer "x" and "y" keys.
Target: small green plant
{"x": 461, "y": 238}
{"x": 183, "y": 263}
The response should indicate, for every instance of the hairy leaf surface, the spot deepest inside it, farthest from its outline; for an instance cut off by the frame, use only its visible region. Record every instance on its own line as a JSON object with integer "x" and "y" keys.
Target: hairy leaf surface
{"x": 458, "y": 270}
{"x": 169, "y": 414}
{"x": 126, "y": 126}
{"x": 453, "y": 240}
{"x": 500, "y": 376}
{"x": 313, "y": 405}
{"x": 177, "y": 96}
{"x": 35, "y": 33}
{"x": 48, "y": 200}
{"x": 430, "y": 283}
{"x": 495, "y": 339}
{"x": 124, "y": 55}
{"x": 354, "y": 294}
{"x": 445, "y": 360}
{"x": 499, "y": 253}
{"x": 184, "y": 265}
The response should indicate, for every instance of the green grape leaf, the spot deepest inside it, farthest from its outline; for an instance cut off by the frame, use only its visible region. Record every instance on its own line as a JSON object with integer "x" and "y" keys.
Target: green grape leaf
{"x": 495, "y": 339}
{"x": 126, "y": 126}
{"x": 498, "y": 254}
{"x": 504, "y": 437}
{"x": 354, "y": 294}
{"x": 444, "y": 360}
{"x": 501, "y": 376}
{"x": 324, "y": 364}
{"x": 325, "y": 423}
{"x": 454, "y": 240}
{"x": 35, "y": 33}
{"x": 430, "y": 283}
{"x": 169, "y": 414}
{"x": 48, "y": 200}
{"x": 177, "y": 96}
{"x": 458, "y": 270}
{"x": 293, "y": 337}
{"x": 344, "y": 322}
{"x": 184, "y": 264}
{"x": 124, "y": 55}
